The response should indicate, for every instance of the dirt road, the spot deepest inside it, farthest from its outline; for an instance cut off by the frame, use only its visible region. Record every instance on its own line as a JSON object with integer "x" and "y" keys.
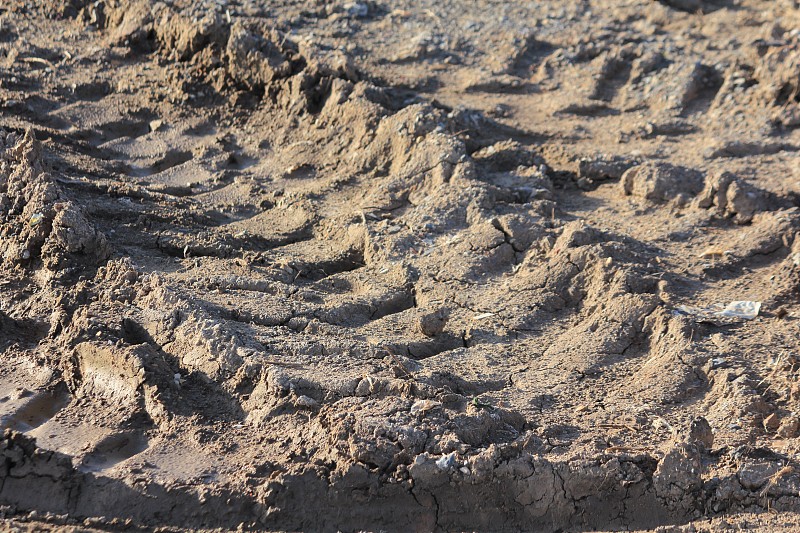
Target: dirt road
{"x": 401, "y": 266}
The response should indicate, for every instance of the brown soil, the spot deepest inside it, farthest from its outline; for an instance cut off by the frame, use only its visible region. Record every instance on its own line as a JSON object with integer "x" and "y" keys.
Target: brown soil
{"x": 401, "y": 266}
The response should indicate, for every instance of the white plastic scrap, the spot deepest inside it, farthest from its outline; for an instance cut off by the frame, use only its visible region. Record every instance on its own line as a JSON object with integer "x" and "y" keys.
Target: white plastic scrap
{"x": 736, "y": 310}
{"x": 743, "y": 309}
{"x": 446, "y": 462}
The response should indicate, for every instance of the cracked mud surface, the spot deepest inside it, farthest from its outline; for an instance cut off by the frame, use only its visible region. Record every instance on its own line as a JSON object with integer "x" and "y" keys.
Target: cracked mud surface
{"x": 402, "y": 266}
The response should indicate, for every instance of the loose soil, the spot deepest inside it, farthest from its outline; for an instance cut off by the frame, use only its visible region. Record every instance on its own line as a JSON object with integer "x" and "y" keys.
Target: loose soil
{"x": 399, "y": 266}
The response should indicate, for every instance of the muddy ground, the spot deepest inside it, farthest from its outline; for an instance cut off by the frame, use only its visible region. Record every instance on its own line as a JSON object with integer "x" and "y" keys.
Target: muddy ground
{"x": 400, "y": 266}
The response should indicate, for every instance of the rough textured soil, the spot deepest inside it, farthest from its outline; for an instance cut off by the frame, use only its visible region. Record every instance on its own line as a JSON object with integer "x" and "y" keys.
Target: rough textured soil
{"x": 401, "y": 266}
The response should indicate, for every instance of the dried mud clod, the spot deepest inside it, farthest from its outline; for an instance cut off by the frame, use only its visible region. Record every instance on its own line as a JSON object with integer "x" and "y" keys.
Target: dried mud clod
{"x": 733, "y": 197}
{"x": 661, "y": 182}
{"x": 432, "y": 322}
{"x": 255, "y": 60}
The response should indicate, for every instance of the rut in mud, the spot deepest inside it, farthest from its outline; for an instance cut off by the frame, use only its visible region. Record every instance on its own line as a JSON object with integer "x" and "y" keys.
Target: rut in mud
{"x": 295, "y": 268}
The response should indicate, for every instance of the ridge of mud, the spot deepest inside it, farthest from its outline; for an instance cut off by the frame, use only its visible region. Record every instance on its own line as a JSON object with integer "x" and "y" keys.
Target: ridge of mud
{"x": 41, "y": 227}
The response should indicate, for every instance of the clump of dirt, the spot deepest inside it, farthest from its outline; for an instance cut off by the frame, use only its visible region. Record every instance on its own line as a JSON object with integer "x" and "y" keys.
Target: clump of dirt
{"x": 661, "y": 182}
{"x": 364, "y": 267}
{"x": 735, "y": 198}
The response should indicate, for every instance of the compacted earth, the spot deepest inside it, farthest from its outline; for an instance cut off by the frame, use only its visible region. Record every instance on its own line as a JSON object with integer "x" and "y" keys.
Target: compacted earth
{"x": 432, "y": 265}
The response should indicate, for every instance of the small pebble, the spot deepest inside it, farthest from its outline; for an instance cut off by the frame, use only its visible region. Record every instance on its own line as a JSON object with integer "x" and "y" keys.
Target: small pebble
{"x": 306, "y": 401}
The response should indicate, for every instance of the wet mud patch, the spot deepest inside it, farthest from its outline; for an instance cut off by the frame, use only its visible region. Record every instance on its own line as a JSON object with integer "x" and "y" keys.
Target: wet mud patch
{"x": 113, "y": 450}
{"x": 30, "y": 410}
